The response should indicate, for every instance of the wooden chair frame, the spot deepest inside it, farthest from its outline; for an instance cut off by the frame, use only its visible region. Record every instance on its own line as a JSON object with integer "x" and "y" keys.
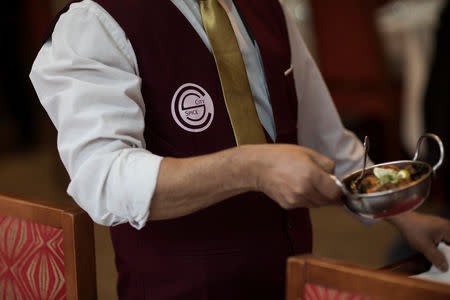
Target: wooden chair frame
{"x": 78, "y": 239}
{"x": 380, "y": 284}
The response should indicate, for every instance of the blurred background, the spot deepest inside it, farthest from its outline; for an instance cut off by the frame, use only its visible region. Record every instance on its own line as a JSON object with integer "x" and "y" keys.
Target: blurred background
{"x": 386, "y": 64}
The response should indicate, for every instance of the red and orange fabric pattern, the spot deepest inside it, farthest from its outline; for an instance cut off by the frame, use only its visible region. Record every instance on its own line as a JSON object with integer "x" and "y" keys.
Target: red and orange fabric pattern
{"x": 317, "y": 292}
{"x": 31, "y": 261}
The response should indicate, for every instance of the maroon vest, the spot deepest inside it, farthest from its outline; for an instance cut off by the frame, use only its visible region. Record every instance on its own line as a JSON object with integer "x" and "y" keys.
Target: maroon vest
{"x": 236, "y": 249}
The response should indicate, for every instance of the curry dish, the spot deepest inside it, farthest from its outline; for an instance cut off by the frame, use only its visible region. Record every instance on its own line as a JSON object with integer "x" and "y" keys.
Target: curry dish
{"x": 386, "y": 178}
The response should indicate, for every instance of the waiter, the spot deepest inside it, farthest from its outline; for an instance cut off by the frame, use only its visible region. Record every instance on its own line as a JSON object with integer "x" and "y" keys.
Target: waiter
{"x": 167, "y": 112}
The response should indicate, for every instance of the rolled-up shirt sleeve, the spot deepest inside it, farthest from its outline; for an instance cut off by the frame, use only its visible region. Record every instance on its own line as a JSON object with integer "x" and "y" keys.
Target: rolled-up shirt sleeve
{"x": 86, "y": 78}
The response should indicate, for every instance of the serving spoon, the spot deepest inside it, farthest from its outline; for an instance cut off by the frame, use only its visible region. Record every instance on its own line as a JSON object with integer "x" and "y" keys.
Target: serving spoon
{"x": 354, "y": 184}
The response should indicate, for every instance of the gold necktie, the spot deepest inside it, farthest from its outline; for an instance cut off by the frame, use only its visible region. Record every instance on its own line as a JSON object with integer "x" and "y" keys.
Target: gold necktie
{"x": 233, "y": 76}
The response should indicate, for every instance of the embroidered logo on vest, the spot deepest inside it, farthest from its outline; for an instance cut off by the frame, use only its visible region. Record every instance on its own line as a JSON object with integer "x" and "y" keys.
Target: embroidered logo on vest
{"x": 192, "y": 108}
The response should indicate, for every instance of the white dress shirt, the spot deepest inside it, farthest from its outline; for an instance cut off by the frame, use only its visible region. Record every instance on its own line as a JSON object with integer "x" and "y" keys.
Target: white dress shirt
{"x": 87, "y": 79}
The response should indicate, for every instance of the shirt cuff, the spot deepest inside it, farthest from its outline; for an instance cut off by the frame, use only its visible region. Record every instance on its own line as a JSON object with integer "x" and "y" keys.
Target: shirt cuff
{"x": 134, "y": 185}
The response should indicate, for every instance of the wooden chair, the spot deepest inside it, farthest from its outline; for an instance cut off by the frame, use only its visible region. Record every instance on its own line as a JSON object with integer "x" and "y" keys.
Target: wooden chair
{"x": 309, "y": 277}
{"x": 46, "y": 251}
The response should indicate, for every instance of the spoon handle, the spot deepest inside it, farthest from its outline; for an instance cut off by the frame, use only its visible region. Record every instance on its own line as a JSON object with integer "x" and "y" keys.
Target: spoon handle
{"x": 366, "y": 150}
{"x": 341, "y": 186}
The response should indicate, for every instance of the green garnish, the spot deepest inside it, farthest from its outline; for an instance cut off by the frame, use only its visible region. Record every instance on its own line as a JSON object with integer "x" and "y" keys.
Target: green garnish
{"x": 385, "y": 175}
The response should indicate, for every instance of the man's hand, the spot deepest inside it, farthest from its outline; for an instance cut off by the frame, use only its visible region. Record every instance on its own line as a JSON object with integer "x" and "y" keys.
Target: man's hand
{"x": 295, "y": 176}
{"x": 424, "y": 233}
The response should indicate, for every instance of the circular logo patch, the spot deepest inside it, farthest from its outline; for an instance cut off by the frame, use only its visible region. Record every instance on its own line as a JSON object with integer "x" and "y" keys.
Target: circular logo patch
{"x": 192, "y": 108}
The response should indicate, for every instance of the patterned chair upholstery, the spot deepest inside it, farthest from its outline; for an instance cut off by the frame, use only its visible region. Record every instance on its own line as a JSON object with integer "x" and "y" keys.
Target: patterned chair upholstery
{"x": 46, "y": 251}
{"x": 313, "y": 278}
{"x": 317, "y": 292}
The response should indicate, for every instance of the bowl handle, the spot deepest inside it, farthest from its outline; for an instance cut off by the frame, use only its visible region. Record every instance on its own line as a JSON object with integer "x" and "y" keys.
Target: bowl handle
{"x": 441, "y": 149}
{"x": 341, "y": 185}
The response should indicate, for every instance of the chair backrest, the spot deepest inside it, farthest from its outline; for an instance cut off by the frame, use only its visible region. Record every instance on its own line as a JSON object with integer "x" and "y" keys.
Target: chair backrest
{"x": 46, "y": 251}
{"x": 309, "y": 277}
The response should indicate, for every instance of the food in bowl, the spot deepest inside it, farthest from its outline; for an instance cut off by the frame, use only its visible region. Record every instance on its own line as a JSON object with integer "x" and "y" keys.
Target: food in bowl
{"x": 385, "y": 178}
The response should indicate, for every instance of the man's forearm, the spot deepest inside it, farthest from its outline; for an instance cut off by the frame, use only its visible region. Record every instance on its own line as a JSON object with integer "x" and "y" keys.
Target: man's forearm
{"x": 190, "y": 184}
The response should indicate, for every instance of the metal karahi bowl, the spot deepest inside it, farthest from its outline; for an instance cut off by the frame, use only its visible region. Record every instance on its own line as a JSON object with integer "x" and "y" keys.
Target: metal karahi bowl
{"x": 392, "y": 202}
